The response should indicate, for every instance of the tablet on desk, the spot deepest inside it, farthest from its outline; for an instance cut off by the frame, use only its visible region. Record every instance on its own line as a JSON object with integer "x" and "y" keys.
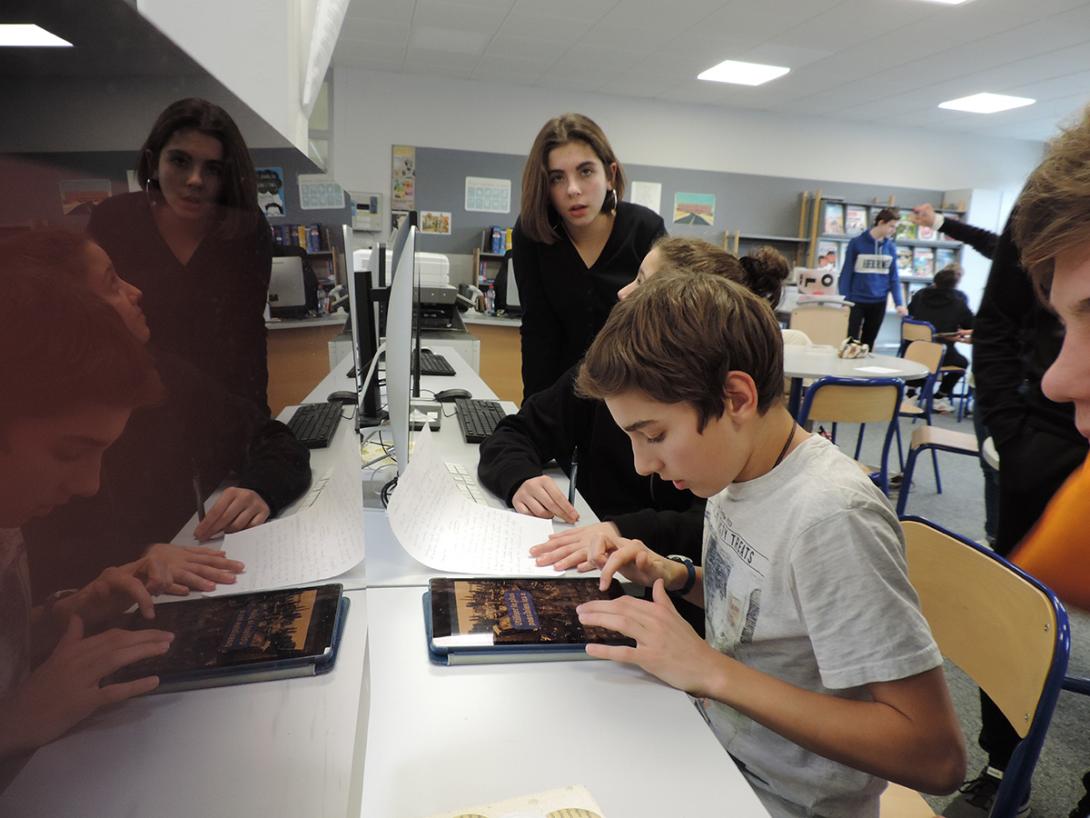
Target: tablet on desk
{"x": 480, "y": 620}
{"x": 251, "y": 637}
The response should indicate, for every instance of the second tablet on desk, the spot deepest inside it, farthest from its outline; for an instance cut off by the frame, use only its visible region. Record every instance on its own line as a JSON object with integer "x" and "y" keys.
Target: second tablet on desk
{"x": 499, "y": 619}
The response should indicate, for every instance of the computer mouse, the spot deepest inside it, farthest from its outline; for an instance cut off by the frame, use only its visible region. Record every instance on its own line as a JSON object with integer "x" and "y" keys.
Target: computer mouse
{"x": 342, "y": 397}
{"x": 451, "y": 395}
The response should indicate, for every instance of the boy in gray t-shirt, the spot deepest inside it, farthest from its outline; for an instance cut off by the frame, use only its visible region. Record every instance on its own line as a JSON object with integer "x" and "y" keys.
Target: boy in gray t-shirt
{"x": 819, "y": 673}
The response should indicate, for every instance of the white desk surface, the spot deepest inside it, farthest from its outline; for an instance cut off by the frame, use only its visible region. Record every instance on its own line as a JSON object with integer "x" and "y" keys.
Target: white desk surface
{"x": 440, "y": 738}
{"x": 337, "y": 319}
{"x": 820, "y": 361}
{"x": 386, "y": 734}
{"x": 284, "y": 748}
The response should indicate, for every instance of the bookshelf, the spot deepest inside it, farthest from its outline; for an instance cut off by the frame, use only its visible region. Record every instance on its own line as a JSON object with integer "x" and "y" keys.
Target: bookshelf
{"x": 834, "y": 221}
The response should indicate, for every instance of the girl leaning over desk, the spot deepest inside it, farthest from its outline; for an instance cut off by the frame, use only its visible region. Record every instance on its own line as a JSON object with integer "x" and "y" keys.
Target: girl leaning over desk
{"x": 197, "y": 246}
{"x": 575, "y": 244}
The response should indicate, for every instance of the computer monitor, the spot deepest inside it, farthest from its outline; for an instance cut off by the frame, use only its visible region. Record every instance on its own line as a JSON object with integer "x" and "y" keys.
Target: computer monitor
{"x": 287, "y": 288}
{"x": 399, "y": 338}
{"x": 507, "y": 289}
{"x": 364, "y": 338}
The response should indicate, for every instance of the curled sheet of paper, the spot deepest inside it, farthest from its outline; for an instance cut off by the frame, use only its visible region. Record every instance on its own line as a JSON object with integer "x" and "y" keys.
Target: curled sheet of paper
{"x": 441, "y": 528}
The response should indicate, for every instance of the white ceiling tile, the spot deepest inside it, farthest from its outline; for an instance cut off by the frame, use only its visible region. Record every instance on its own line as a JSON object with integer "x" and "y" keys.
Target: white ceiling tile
{"x": 381, "y": 10}
{"x": 564, "y": 9}
{"x": 441, "y": 60}
{"x": 387, "y": 52}
{"x": 373, "y": 29}
{"x": 509, "y": 46}
{"x": 456, "y": 15}
{"x": 665, "y": 19}
{"x": 545, "y": 28}
{"x": 449, "y": 41}
{"x": 506, "y": 69}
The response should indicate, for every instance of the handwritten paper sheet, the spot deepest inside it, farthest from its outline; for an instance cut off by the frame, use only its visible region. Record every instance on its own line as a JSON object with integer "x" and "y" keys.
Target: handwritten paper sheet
{"x": 441, "y": 528}
{"x": 319, "y": 541}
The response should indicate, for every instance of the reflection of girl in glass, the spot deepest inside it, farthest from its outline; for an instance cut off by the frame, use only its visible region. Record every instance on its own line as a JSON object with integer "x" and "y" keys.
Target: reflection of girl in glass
{"x": 197, "y": 245}
{"x": 575, "y": 244}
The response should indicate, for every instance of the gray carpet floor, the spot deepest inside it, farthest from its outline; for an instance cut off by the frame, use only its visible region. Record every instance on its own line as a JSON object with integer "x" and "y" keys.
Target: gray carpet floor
{"x": 1057, "y": 783}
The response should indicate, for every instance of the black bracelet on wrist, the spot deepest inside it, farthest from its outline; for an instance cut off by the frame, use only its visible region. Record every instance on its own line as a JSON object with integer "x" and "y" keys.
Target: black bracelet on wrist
{"x": 690, "y": 576}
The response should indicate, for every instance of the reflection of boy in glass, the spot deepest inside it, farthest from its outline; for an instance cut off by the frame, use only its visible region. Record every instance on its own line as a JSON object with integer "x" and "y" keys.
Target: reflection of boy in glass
{"x": 70, "y": 385}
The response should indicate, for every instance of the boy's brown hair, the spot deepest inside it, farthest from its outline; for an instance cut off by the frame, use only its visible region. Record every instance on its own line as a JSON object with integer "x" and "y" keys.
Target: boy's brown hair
{"x": 1053, "y": 212}
{"x": 886, "y": 214}
{"x": 678, "y": 336}
{"x": 61, "y": 345}
{"x": 560, "y": 130}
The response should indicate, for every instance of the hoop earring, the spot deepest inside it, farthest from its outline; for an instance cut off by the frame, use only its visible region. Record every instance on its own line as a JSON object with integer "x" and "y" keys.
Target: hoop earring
{"x": 613, "y": 206}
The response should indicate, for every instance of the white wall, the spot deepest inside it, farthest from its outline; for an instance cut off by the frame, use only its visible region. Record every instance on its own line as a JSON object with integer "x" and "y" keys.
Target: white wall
{"x": 257, "y": 48}
{"x": 375, "y": 110}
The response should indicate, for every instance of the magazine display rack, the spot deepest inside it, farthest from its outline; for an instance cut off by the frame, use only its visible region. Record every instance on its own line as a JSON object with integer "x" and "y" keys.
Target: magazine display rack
{"x": 921, "y": 252}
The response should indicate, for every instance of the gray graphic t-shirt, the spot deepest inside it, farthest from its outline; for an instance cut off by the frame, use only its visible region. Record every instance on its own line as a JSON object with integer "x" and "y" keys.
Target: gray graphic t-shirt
{"x": 805, "y": 579}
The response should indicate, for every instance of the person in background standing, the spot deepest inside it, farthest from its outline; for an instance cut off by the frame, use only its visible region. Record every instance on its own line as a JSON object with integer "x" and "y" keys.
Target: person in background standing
{"x": 869, "y": 276}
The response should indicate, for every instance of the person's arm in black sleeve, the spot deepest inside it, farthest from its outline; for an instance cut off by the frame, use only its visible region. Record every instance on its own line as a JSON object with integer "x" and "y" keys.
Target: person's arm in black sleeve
{"x": 667, "y": 532}
{"x": 545, "y": 428}
{"x": 997, "y": 338}
{"x": 277, "y": 466}
{"x": 542, "y": 335}
{"x": 981, "y": 240}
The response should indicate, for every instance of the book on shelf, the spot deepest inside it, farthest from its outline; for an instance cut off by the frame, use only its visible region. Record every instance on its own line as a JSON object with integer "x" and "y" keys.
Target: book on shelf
{"x": 904, "y": 260}
{"x": 833, "y": 219}
{"x": 828, "y": 255}
{"x": 477, "y": 620}
{"x": 855, "y": 219}
{"x": 944, "y": 257}
{"x": 906, "y": 229}
{"x": 923, "y": 262}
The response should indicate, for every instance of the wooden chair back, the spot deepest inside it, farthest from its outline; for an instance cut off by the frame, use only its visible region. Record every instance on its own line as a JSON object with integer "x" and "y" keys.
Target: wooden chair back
{"x": 995, "y": 625}
{"x": 821, "y": 323}
{"x": 852, "y": 402}
{"x": 927, "y": 353}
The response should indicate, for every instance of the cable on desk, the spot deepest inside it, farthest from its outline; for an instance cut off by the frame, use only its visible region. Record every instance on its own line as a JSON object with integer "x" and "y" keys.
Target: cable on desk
{"x": 385, "y": 493}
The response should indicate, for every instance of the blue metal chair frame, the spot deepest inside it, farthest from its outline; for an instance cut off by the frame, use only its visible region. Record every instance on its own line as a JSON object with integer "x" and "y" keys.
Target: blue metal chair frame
{"x": 1019, "y": 772}
{"x": 926, "y": 397}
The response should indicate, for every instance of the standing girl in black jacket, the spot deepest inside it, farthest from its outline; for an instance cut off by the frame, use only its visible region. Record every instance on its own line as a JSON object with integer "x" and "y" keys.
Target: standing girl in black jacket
{"x": 575, "y": 244}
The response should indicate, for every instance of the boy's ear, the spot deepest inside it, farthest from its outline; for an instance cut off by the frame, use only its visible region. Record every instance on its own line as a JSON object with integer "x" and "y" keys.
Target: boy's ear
{"x": 740, "y": 392}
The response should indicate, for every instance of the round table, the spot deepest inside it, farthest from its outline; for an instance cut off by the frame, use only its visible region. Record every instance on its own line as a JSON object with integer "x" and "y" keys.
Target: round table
{"x": 801, "y": 362}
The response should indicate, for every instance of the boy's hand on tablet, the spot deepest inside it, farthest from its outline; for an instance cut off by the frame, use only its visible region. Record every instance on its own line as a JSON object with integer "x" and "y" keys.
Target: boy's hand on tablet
{"x": 110, "y": 593}
{"x": 64, "y": 689}
{"x": 569, "y": 549}
{"x": 636, "y": 562}
{"x": 542, "y": 497}
{"x": 666, "y": 645}
{"x": 177, "y": 569}
{"x": 236, "y": 509}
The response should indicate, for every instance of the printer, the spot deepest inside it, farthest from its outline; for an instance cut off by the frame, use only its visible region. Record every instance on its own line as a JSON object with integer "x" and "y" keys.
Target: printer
{"x": 438, "y": 298}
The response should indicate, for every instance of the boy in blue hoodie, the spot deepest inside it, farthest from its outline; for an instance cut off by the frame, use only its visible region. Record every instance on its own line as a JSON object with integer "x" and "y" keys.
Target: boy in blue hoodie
{"x": 869, "y": 274}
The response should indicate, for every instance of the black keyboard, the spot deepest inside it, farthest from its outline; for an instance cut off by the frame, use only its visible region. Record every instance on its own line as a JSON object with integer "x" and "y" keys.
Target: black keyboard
{"x": 313, "y": 424}
{"x": 478, "y": 418}
{"x": 432, "y": 364}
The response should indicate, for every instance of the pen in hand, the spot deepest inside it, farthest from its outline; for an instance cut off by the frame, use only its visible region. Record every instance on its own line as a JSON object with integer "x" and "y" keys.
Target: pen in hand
{"x": 574, "y": 474}
{"x": 197, "y": 497}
